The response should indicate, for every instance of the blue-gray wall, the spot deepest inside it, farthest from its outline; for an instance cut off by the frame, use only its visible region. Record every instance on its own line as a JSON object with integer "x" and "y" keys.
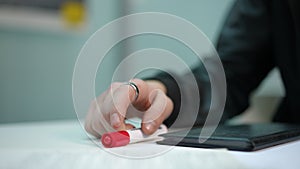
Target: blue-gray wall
{"x": 207, "y": 15}
{"x": 36, "y": 66}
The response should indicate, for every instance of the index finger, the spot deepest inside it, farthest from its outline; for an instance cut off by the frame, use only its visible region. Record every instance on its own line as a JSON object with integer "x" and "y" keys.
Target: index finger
{"x": 121, "y": 98}
{"x": 161, "y": 107}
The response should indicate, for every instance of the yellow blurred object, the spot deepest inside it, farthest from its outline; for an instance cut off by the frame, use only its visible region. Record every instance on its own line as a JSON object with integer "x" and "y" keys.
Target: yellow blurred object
{"x": 73, "y": 12}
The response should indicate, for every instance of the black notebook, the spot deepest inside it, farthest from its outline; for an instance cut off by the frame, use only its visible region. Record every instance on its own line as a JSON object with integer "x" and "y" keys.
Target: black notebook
{"x": 240, "y": 137}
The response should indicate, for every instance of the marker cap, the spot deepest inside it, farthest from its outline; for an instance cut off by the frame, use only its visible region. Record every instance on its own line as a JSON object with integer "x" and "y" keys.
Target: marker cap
{"x": 115, "y": 139}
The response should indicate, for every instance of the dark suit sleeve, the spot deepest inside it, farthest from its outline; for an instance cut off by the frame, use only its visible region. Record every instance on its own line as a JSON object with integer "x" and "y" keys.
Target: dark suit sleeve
{"x": 244, "y": 47}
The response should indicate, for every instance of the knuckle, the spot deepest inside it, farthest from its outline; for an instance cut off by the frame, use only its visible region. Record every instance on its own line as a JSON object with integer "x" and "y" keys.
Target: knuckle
{"x": 138, "y": 81}
{"x": 114, "y": 85}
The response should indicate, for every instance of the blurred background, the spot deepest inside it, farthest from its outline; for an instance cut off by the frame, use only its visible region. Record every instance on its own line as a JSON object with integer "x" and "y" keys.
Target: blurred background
{"x": 40, "y": 42}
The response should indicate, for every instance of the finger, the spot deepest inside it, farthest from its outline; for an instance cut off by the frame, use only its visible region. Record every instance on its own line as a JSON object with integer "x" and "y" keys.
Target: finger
{"x": 118, "y": 105}
{"x": 124, "y": 97}
{"x": 92, "y": 125}
{"x": 106, "y": 105}
{"x": 90, "y": 116}
{"x": 107, "y": 98}
{"x": 88, "y": 123}
{"x": 142, "y": 102}
{"x": 161, "y": 107}
{"x": 95, "y": 122}
{"x": 104, "y": 102}
{"x": 97, "y": 127}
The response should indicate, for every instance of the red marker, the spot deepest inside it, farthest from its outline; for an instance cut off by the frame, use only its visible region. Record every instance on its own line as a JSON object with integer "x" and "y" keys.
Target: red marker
{"x": 122, "y": 138}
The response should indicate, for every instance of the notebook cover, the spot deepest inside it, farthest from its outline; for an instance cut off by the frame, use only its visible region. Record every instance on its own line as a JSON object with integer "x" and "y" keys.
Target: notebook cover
{"x": 240, "y": 137}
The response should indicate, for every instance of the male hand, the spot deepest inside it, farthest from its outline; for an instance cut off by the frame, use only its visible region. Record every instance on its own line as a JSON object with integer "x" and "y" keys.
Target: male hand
{"x": 120, "y": 101}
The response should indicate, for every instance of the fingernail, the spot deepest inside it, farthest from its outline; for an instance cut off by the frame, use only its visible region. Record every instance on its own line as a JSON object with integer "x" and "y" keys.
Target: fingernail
{"x": 150, "y": 126}
{"x": 115, "y": 120}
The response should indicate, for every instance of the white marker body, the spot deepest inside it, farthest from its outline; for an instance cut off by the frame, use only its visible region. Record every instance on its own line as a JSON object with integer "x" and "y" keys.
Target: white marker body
{"x": 136, "y": 135}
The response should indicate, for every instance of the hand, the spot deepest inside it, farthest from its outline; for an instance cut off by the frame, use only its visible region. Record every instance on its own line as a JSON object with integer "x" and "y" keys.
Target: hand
{"x": 109, "y": 110}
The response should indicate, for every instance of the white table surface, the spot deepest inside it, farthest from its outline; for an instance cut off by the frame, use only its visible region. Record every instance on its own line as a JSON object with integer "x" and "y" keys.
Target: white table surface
{"x": 64, "y": 144}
